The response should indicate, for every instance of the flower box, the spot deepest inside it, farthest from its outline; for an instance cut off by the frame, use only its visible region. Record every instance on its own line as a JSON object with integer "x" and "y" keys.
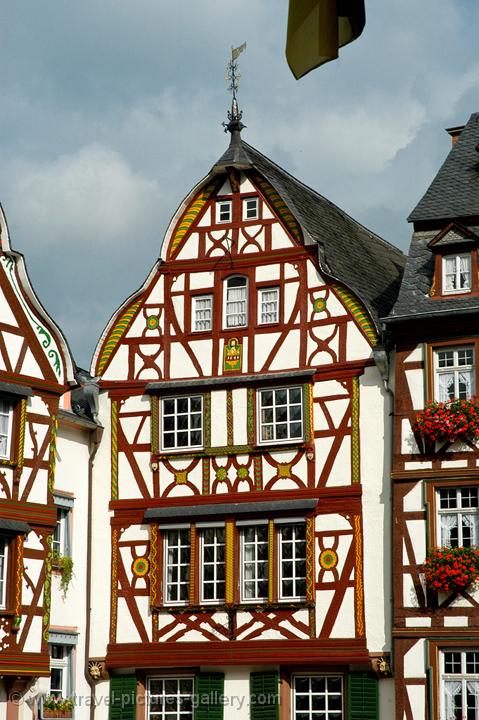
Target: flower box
{"x": 57, "y": 713}
{"x": 448, "y": 421}
{"x": 451, "y": 570}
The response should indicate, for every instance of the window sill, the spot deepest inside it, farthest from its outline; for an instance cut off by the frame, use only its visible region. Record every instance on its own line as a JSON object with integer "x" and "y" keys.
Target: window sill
{"x": 242, "y": 606}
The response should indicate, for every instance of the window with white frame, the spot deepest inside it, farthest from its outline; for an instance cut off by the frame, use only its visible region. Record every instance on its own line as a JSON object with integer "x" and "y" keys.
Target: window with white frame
{"x": 317, "y": 697}
{"x": 170, "y": 698}
{"x": 292, "y": 561}
{"x": 454, "y": 373}
{"x": 3, "y": 570}
{"x": 268, "y": 305}
{"x": 202, "y": 313}
{"x": 177, "y": 566}
{"x": 456, "y": 273}
{"x": 182, "y": 422}
{"x": 280, "y": 414}
{"x": 236, "y": 302}
{"x": 61, "y": 532}
{"x": 458, "y": 514}
{"x": 250, "y": 208}
{"x": 212, "y": 567}
{"x": 60, "y": 670}
{"x": 254, "y": 562}
{"x": 6, "y": 413}
{"x": 224, "y": 211}
{"x": 460, "y": 684}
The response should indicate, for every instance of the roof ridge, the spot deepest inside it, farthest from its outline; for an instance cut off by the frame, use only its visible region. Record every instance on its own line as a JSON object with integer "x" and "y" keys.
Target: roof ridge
{"x": 324, "y": 199}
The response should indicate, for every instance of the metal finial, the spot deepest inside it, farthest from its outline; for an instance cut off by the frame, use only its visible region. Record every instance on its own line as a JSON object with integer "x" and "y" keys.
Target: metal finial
{"x": 233, "y": 77}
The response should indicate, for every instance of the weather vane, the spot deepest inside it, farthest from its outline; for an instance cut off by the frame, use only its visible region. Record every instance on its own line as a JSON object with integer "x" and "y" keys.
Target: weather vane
{"x": 233, "y": 77}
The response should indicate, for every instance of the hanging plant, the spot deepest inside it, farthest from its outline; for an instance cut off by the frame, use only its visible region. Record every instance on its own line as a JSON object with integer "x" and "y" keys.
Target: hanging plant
{"x": 451, "y": 569}
{"x": 64, "y": 564}
{"x": 455, "y": 420}
{"x": 57, "y": 707}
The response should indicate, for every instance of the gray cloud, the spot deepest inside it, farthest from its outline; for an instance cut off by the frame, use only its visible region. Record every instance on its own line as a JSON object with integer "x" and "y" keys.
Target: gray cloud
{"x": 111, "y": 111}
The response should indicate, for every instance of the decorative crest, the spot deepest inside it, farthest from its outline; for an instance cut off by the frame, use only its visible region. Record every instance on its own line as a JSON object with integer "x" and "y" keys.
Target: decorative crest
{"x": 233, "y": 77}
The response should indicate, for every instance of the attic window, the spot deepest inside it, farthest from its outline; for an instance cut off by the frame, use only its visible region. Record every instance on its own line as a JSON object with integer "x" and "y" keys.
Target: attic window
{"x": 456, "y": 273}
{"x": 223, "y": 211}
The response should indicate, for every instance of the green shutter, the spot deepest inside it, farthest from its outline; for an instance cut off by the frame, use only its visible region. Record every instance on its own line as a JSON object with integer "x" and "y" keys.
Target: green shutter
{"x": 209, "y": 691}
{"x": 363, "y": 700}
{"x": 264, "y": 696}
{"x": 123, "y": 697}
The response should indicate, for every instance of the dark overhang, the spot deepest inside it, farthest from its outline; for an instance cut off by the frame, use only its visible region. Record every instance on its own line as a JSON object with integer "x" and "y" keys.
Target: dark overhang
{"x": 231, "y": 509}
{"x": 12, "y": 389}
{"x": 15, "y": 527}
{"x": 172, "y": 386}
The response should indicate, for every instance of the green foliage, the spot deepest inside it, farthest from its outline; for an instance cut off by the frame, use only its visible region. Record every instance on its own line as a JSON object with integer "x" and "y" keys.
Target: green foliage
{"x": 59, "y": 704}
{"x": 64, "y": 563}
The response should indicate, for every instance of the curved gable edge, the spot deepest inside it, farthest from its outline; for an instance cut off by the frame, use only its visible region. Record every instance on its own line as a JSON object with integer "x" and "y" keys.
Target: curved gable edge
{"x": 117, "y": 326}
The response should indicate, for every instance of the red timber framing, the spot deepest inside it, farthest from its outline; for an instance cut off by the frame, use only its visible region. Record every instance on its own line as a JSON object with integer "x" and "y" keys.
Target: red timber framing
{"x": 146, "y": 334}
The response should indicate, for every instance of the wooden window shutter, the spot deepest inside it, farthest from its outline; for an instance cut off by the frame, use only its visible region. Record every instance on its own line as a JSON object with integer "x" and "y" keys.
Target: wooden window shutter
{"x": 123, "y": 697}
{"x": 363, "y": 700}
{"x": 209, "y": 689}
{"x": 264, "y": 696}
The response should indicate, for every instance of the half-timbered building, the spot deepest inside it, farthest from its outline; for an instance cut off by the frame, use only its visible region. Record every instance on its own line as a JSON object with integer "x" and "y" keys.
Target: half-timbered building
{"x": 245, "y": 521}
{"x": 434, "y": 327}
{"x": 44, "y": 463}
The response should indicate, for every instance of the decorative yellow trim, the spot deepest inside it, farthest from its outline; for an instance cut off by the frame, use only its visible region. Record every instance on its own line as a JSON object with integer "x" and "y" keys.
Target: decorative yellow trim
{"x": 153, "y": 564}
{"x": 358, "y": 311}
{"x": 359, "y": 585}
{"x": 310, "y": 564}
{"x": 192, "y": 564}
{"x": 52, "y": 459}
{"x": 21, "y": 434}
{"x": 355, "y": 462}
{"x": 18, "y": 582}
{"x": 229, "y": 418}
{"x": 115, "y": 534}
{"x": 115, "y": 335}
{"x": 229, "y": 561}
{"x": 280, "y": 207}
{"x": 284, "y": 470}
{"x": 47, "y": 590}
{"x": 188, "y": 218}
{"x": 271, "y": 560}
{"x": 155, "y": 424}
{"x": 114, "y": 450}
{"x": 181, "y": 477}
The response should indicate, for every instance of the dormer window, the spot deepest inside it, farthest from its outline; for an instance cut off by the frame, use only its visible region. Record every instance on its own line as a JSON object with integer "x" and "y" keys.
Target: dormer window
{"x": 456, "y": 273}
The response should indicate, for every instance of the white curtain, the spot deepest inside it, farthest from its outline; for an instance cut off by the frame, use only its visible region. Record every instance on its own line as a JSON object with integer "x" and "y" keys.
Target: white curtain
{"x": 472, "y": 687}
{"x": 453, "y": 690}
{"x": 446, "y": 386}
{"x": 236, "y": 307}
{"x": 464, "y": 272}
{"x": 471, "y": 521}
{"x": 465, "y": 384}
{"x": 449, "y": 273}
{"x": 448, "y": 522}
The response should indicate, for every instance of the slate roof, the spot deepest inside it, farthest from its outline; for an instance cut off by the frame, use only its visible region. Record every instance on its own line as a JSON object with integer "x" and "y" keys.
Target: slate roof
{"x": 348, "y": 252}
{"x": 454, "y": 192}
{"x": 413, "y": 299}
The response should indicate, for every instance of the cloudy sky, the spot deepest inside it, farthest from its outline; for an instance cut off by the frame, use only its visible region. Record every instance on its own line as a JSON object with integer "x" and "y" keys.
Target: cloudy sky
{"x": 111, "y": 111}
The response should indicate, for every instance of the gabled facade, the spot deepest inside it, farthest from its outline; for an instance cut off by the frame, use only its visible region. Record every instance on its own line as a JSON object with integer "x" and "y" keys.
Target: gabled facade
{"x": 43, "y": 503}
{"x": 434, "y": 329}
{"x": 245, "y": 524}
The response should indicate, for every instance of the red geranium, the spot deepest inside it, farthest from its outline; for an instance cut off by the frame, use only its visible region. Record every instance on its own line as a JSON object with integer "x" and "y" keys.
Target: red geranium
{"x": 451, "y": 569}
{"x": 455, "y": 420}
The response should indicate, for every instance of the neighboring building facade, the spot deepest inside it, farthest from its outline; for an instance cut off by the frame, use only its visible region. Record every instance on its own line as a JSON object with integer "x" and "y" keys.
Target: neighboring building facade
{"x": 44, "y": 452}
{"x": 245, "y": 422}
{"x": 434, "y": 327}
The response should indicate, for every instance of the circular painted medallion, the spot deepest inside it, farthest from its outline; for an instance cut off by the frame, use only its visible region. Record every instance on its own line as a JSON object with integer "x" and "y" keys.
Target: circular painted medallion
{"x": 221, "y": 474}
{"x": 152, "y": 322}
{"x": 140, "y": 566}
{"x": 242, "y": 472}
{"x": 319, "y": 305}
{"x": 328, "y": 559}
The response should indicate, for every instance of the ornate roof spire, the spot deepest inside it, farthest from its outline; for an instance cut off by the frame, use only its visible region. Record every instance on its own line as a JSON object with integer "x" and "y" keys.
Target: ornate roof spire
{"x": 233, "y": 77}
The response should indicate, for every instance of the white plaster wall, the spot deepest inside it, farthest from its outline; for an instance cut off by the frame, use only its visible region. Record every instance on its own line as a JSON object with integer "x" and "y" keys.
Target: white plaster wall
{"x": 240, "y": 404}
{"x": 415, "y": 381}
{"x": 219, "y": 435}
{"x": 375, "y": 450}
{"x": 414, "y": 661}
{"x": 101, "y": 532}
